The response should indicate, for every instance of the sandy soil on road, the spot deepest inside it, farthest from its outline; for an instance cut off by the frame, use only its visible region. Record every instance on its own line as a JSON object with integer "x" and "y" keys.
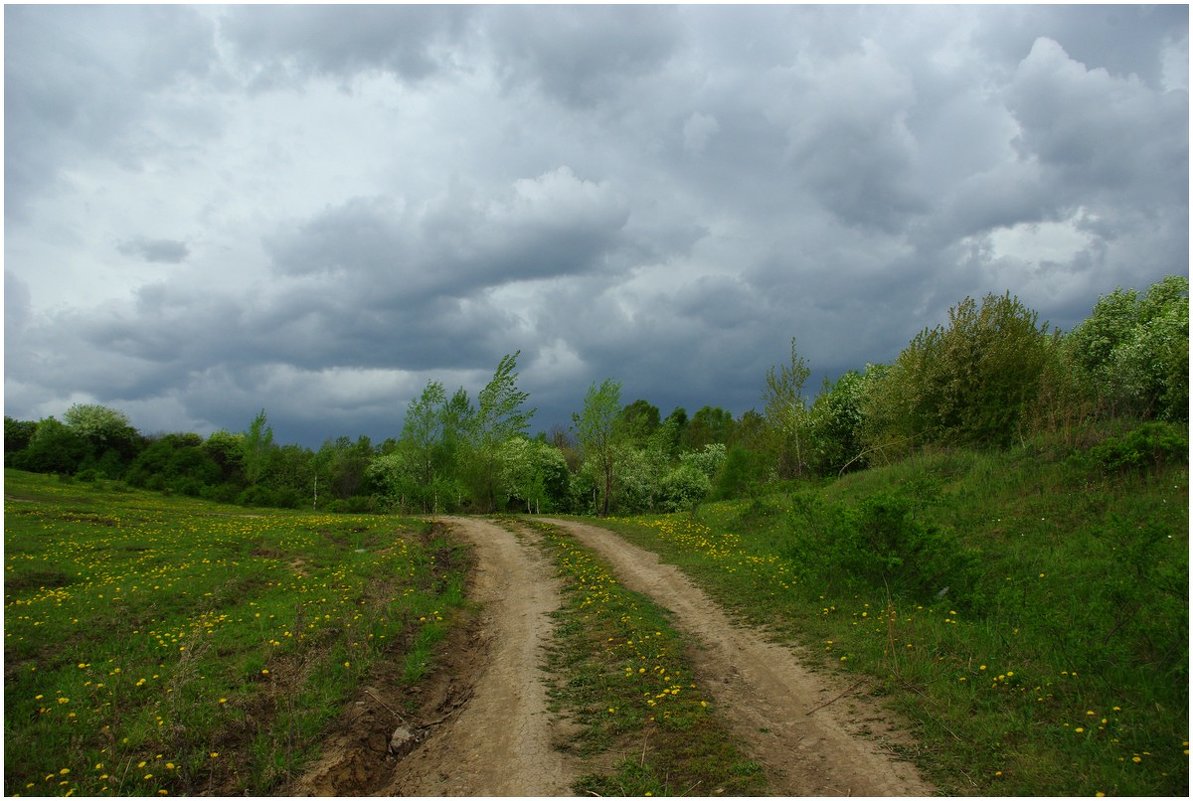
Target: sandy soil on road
{"x": 501, "y": 742}
{"x": 769, "y": 699}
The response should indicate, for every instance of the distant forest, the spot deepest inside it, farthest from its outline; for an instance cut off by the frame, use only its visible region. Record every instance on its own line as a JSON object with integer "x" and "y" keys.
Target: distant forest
{"x": 991, "y": 376}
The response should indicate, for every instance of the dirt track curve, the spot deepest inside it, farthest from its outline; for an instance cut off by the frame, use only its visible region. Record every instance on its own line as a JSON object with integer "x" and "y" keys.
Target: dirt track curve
{"x": 772, "y": 702}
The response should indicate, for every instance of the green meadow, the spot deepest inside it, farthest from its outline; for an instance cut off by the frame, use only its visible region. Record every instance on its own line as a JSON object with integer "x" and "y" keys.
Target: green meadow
{"x": 165, "y": 646}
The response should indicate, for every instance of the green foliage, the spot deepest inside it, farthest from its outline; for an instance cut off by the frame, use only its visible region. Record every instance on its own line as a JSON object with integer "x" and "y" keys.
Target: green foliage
{"x": 884, "y": 541}
{"x": 710, "y": 424}
{"x": 709, "y": 460}
{"x": 341, "y": 466}
{"x": 500, "y": 412}
{"x": 638, "y": 421}
{"x": 256, "y": 449}
{"x": 103, "y": 427}
{"x": 636, "y": 482}
{"x": 226, "y": 450}
{"x": 1149, "y": 446}
{"x": 970, "y": 383}
{"x": 743, "y": 472}
{"x": 175, "y": 462}
{"x": 787, "y": 416}
{"x": 500, "y": 415}
{"x": 533, "y": 474}
{"x": 682, "y": 488}
{"x": 598, "y": 433}
{"x": 836, "y": 425}
{"x": 53, "y": 448}
{"x": 17, "y": 434}
{"x": 1133, "y": 352}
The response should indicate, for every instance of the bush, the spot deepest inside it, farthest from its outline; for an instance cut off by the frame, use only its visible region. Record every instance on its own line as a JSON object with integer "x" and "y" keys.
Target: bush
{"x": 743, "y": 471}
{"x": 682, "y": 488}
{"x": 968, "y": 384}
{"x": 1148, "y": 446}
{"x": 881, "y": 542}
{"x": 1132, "y": 352}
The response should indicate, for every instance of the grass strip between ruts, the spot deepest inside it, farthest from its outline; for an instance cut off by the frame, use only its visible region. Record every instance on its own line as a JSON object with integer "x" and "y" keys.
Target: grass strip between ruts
{"x": 620, "y": 673}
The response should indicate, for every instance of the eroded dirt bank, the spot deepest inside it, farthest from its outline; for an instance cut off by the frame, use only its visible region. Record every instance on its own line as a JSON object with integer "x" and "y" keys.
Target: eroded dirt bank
{"x": 785, "y": 715}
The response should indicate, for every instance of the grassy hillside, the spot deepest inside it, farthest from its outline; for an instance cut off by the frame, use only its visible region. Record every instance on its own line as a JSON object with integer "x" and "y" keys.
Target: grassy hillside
{"x": 1026, "y": 610}
{"x": 163, "y": 646}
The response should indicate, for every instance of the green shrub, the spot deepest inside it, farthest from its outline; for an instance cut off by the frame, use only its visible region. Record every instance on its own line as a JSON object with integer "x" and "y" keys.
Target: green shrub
{"x": 1150, "y": 445}
{"x": 683, "y": 488}
{"x": 968, "y": 384}
{"x": 884, "y": 542}
{"x": 1132, "y": 352}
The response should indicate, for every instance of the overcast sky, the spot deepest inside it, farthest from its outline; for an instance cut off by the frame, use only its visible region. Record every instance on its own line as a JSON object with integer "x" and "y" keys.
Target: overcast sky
{"x": 315, "y": 210}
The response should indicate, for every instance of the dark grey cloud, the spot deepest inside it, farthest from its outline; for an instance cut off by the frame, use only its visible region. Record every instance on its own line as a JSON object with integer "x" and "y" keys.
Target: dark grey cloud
{"x": 376, "y": 196}
{"x": 161, "y": 251}
{"x": 581, "y": 55}
{"x": 1121, "y": 39}
{"x": 83, "y": 80}
{"x": 290, "y": 43}
{"x": 540, "y": 227}
{"x": 1097, "y": 133}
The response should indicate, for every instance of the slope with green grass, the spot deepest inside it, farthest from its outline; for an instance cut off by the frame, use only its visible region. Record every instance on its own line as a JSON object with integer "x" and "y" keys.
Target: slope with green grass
{"x": 1025, "y": 610}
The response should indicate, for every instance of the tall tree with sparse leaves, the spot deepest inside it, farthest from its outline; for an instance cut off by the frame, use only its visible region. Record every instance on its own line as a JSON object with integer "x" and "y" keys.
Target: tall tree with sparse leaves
{"x": 500, "y": 414}
{"x": 787, "y": 414}
{"x": 596, "y": 428}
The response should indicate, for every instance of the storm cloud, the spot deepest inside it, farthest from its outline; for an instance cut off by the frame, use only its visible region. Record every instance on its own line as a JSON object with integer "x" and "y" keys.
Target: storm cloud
{"x": 317, "y": 209}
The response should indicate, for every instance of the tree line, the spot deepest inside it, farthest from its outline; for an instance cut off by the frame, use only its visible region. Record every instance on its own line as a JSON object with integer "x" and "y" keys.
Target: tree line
{"x": 993, "y": 376}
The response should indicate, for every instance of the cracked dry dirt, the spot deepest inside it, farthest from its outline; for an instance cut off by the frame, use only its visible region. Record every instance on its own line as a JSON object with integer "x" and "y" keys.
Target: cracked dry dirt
{"x": 484, "y": 729}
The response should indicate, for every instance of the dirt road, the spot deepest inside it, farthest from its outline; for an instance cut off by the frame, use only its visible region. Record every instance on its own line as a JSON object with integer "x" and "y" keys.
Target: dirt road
{"x": 501, "y": 742}
{"x": 771, "y": 701}
{"x": 484, "y": 728}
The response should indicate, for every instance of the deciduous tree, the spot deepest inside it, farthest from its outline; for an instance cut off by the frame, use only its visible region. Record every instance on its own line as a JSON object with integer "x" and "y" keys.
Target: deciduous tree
{"x": 596, "y": 428}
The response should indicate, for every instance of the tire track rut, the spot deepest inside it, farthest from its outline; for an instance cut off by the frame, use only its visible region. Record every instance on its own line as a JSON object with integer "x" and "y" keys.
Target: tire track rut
{"x": 789, "y": 718}
{"x": 500, "y": 744}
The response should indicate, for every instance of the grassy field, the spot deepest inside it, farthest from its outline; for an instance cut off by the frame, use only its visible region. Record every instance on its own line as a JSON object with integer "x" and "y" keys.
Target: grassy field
{"x": 164, "y": 646}
{"x": 1026, "y": 612}
{"x": 621, "y": 674}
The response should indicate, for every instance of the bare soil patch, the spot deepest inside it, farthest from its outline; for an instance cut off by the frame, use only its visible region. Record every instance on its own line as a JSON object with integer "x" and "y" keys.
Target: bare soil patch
{"x": 813, "y": 736}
